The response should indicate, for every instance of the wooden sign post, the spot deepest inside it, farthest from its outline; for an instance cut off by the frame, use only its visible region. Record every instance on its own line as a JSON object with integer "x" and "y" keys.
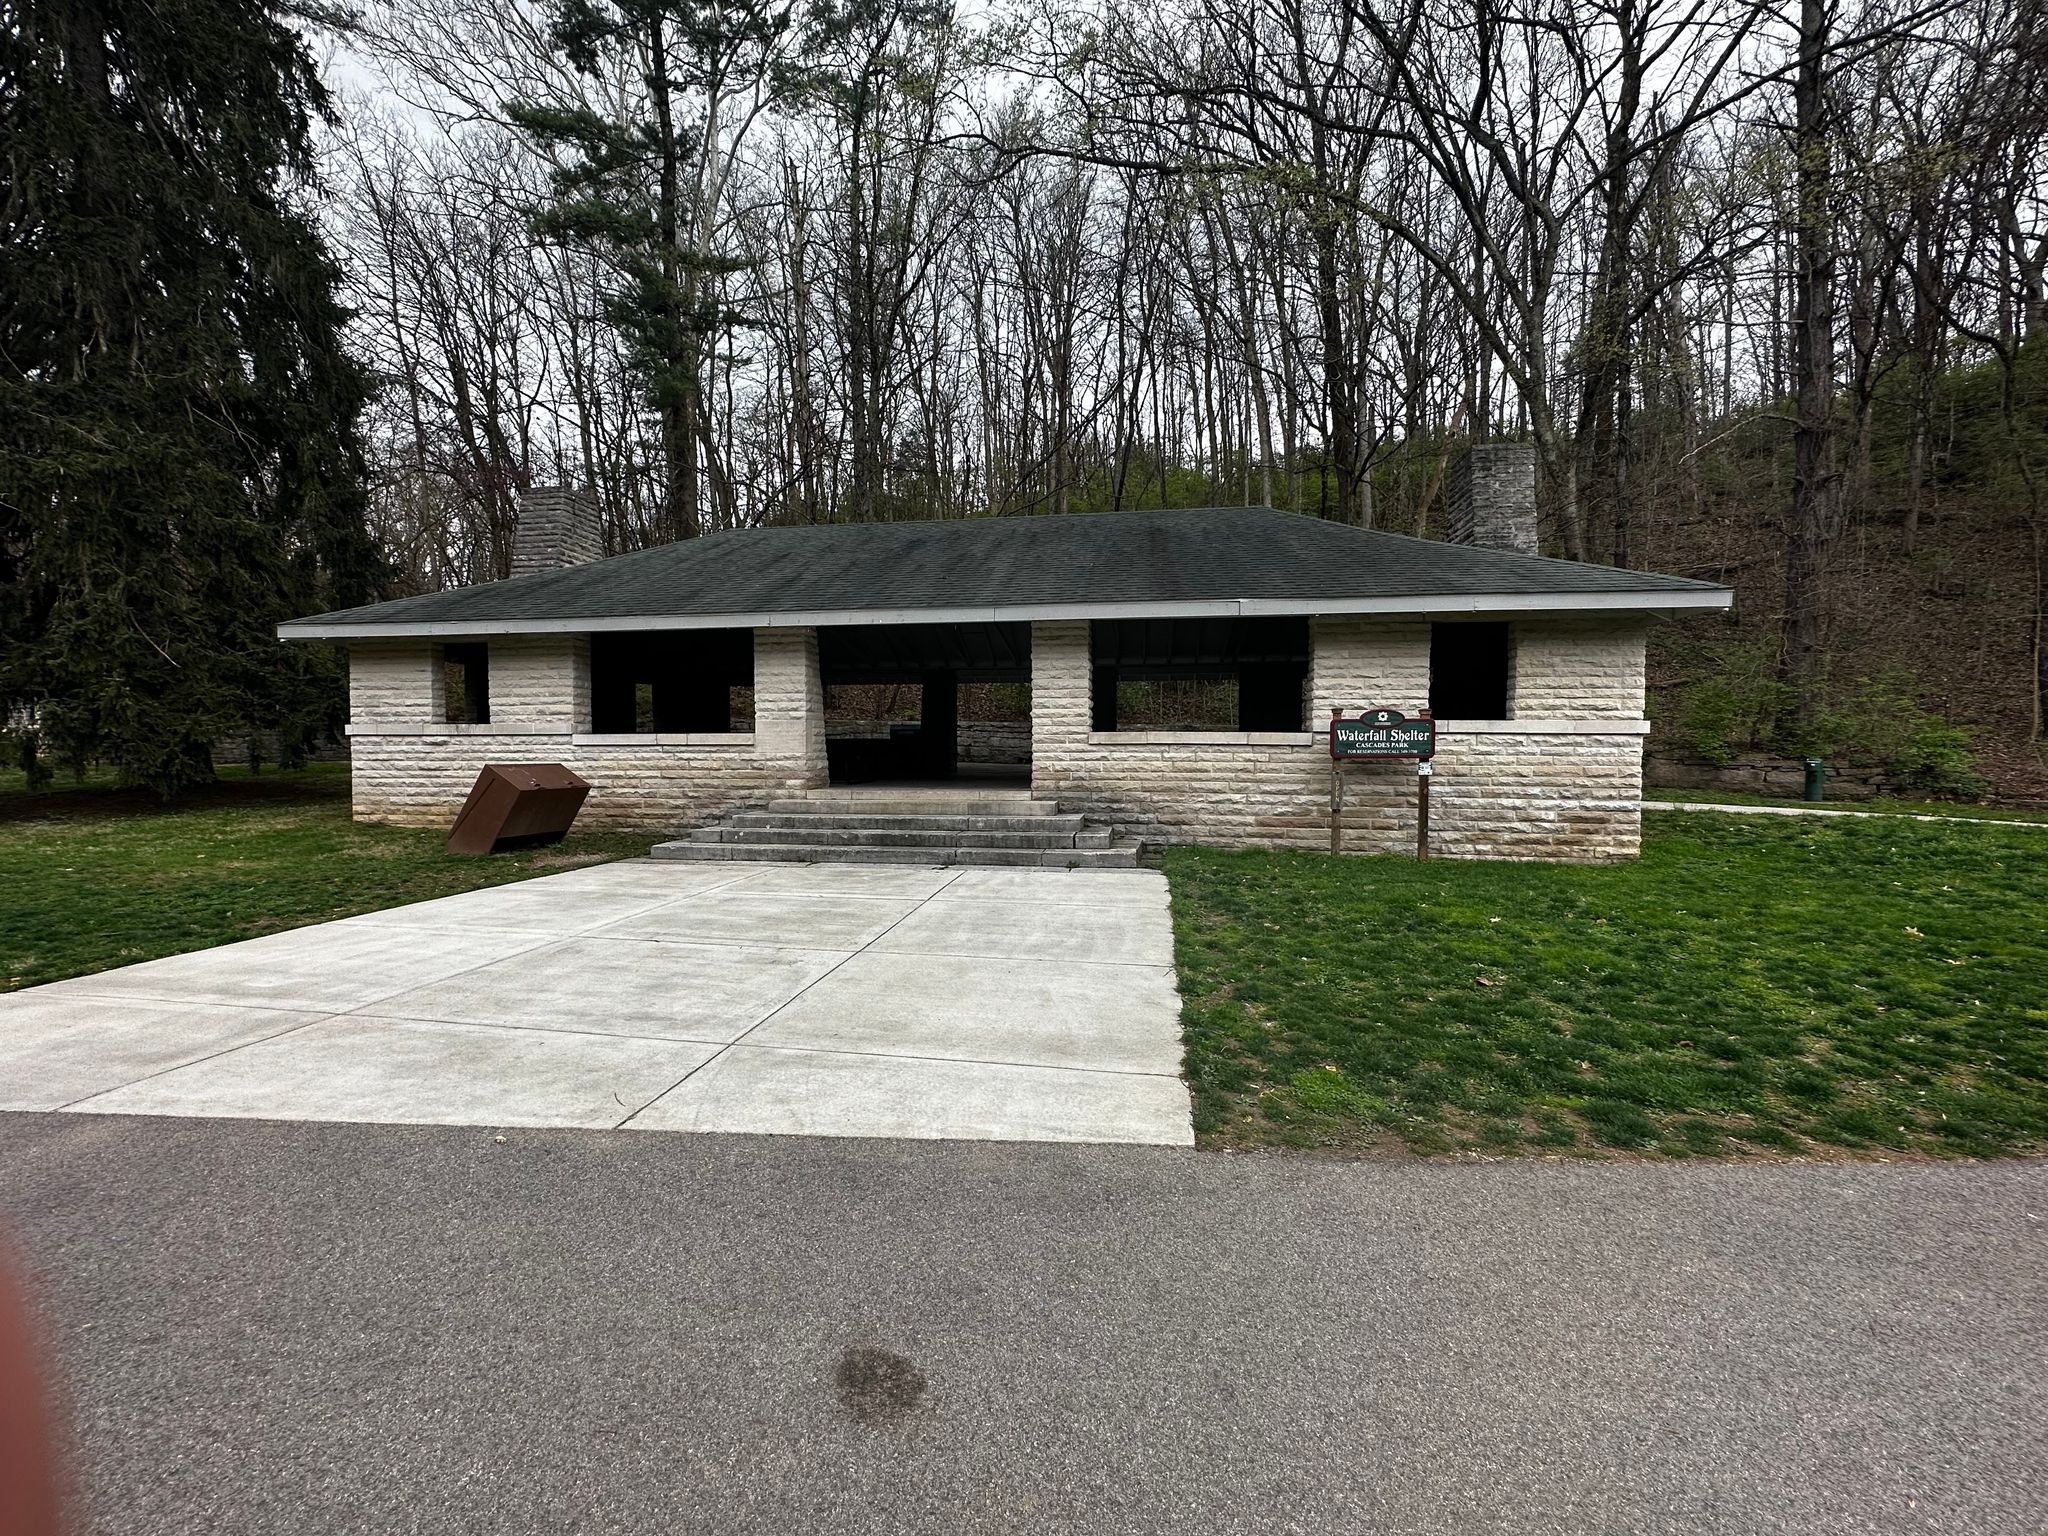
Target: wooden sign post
{"x": 1424, "y": 772}
{"x": 1382, "y": 735}
{"x": 1336, "y": 787}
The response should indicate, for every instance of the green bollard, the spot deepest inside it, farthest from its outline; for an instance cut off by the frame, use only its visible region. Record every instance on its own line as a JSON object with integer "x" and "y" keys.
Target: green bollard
{"x": 1816, "y": 777}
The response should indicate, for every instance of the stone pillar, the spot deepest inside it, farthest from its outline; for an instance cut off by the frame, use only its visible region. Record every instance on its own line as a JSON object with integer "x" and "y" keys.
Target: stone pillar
{"x": 789, "y": 707}
{"x": 558, "y": 527}
{"x": 394, "y": 682}
{"x": 1492, "y": 497}
{"x": 1059, "y": 699}
{"x": 938, "y": 724}
{"x": 1363, "y": 661}
{"x": 541, "y": 681}
{"x": 1572, "y": 666}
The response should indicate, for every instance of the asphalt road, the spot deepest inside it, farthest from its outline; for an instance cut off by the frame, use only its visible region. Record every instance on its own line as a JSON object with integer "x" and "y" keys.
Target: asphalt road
{"x": 312, "y": 1328}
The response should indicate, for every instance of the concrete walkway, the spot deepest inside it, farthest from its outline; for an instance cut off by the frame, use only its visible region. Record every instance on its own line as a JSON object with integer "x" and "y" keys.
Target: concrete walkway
{"x": 842, "y": 1000}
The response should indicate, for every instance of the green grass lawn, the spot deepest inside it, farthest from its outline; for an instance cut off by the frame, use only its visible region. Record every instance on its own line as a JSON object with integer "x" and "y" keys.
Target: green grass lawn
{"x": 1751, "y": 984}
{"x": 1878, "y": 807}
{"x": 92, "y": 877}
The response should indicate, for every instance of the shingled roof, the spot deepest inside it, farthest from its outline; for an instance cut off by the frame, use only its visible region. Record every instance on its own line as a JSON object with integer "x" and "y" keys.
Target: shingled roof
{"x": 1187, "y": 563}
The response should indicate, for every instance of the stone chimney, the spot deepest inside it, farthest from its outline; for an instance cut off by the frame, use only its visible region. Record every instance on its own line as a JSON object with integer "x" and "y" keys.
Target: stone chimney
{"x": 558, "y": 526}
{"x": 1493, "y": 497}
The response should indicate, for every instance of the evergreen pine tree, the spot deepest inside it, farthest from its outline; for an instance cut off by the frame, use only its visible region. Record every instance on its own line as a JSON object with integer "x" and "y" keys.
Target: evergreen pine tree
{"x": 179, "y": 460}
{"x": 639, "y": 188}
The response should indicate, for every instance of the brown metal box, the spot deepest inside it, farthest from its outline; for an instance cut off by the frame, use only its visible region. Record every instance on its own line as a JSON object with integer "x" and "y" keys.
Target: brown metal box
{"x": 516, "y": 805}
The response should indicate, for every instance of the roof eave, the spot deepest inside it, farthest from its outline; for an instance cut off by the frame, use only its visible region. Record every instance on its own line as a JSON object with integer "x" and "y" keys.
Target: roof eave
{"x": 1477, "y": 604}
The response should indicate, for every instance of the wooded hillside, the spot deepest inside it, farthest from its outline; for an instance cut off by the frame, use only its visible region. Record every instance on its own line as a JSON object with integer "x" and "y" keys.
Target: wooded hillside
{"x": 1765, "y": 283}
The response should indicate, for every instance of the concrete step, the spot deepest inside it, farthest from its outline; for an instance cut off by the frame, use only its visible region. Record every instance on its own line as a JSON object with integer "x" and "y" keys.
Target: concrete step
{"x": 1122, "y": 857}
{"x": 960, "y": 822}
{"x": 792, "y": 830}
{"x": 912, "y": 803}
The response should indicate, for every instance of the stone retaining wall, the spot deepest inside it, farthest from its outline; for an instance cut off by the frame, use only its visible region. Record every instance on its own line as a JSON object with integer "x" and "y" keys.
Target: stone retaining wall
{"x": 995, "y": 741}
{"x": 233, "y": 751}
{"x": 980, "y": 741}
{"x": 1759, "y": 773}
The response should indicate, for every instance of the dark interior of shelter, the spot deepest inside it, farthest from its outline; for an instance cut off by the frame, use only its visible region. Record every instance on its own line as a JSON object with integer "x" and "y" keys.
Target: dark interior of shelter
{"x": 1470, "y": 665}
{"x": 1218, "y": 674}
{"x": 876, "y": 675}
{"x": 673, "y": 682}
{"x": 913, "y": 703}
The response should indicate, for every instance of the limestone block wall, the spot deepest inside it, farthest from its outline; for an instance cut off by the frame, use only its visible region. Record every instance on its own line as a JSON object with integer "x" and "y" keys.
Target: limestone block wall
{"x": 1565, "y": 789}
{"x": 789, "y": 706}
{"x": 1359, "y": 662}
{"x": 1578, "y": 667}
{"x": 541, "y": 680}
{"x": 662, "y": 783}
{"x": 412, "y": 769}
{"x": 393, "y": 679}
{"x": 1547, "y": 788}
{"x": 1561, "y": 779}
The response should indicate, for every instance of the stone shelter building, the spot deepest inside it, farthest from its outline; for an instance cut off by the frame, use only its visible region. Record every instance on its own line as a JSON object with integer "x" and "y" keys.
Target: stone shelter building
{"x": 637, "y": 671}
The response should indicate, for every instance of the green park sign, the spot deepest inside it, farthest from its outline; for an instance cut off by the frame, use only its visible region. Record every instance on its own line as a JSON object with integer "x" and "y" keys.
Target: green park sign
{"x": 1382, "y": 733}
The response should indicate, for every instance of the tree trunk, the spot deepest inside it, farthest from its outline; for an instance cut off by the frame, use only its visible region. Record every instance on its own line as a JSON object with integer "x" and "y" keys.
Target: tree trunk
{"x": 675, "y": 394}
{"x": 1810, "y": 523}
{"x": 1339, "y": 401}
